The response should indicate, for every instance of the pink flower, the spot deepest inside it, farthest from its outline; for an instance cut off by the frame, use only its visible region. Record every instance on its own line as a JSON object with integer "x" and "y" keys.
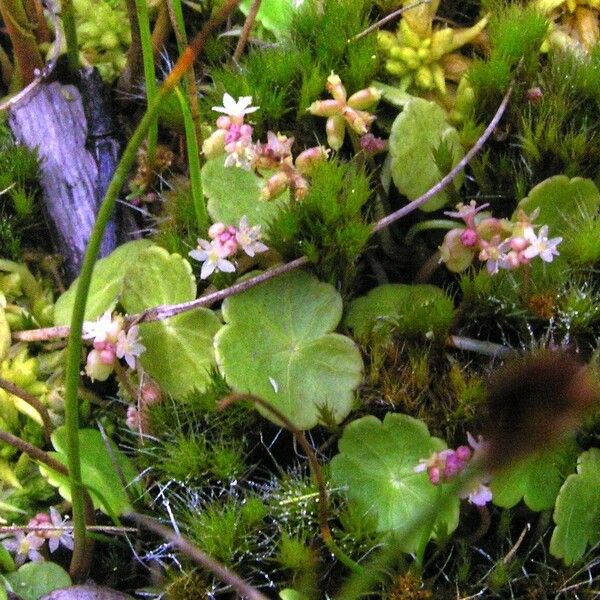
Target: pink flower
{"x": 541, "y": 246}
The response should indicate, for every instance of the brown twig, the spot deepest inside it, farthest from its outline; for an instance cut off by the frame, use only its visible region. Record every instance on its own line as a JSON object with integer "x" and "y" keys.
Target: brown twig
{"x": 199, "y": 557}
{"x": 34, "y": 402}
{"x": 158, "y": 313}
{"x": 315, "y": 469}
{"x": 101, "y": 528}
{"x": 245, "y": 33}
{"x": 451, "y": 176}
{"x": 387, "y": 19}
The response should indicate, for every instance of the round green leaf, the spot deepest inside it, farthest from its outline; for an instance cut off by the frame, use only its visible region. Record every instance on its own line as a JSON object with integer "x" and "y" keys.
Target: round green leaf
{"x": 577, "y": 511}
{"x": 277, "y": 344}
{"x": 416, "y": 133}
{"x": 179, "y": 351}
{"x": 98, "y": 471}
{"x": 233, "y": 192}
{"x": 35, "y": 579}
{"x": 536, "y": 479}
{"x": 412, "y": 310}
{"x": 274, "y": 15}
{"x": 376, "y": 465}
{"x": 106, "y": 284}
{"x": 559, "y": 200}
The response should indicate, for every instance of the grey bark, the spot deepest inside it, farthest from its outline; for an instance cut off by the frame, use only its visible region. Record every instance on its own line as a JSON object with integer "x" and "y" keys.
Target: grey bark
{"x": 51, "y": 119}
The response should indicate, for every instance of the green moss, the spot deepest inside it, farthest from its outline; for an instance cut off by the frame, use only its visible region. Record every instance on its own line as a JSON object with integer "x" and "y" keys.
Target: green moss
{"x": 295, "y": 556}
{"x": 327, "y": 225}
{"x": 284, "y": 80}
{"x": 189, "y": 586}
{"x": 225, "y": 531}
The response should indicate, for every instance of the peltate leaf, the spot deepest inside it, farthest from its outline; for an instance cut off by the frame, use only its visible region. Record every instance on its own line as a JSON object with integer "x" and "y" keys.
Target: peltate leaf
{"x": 560, "y": 199}
{"x": 179, "y": 351}
{"x": 98, "y": 471}
{"x": 577, "y": 511}
{"x": 233, "y": 192}
{"x": 412, "y": 310}
{"x": 376, "y": 465}
{"x": 35, "y": 579}
{"x": 106, "y": 284}
{"x": 416, "y": 133}
{"x": 536, "y": 480}
{"x": 277, "y": 344}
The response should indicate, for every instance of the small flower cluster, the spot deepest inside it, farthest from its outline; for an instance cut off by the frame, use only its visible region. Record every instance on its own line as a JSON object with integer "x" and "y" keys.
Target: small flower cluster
{"x": 225, "y": 242}
{"x": 28, "y": 545}
{"x": 234, "y": 137}
{"x": 443, "y": 466}
{"x": 342, "y": 111}
{"x": 500, "y": 243}
{"x": 111, "y": 341}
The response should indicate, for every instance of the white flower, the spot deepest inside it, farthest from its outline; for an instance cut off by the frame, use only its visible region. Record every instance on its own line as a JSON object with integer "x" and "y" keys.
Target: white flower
{"x": 241, "y": 156}
{"x": 129, "y": 346}
{"x": 104, "y": 329}
{"x": 25, "y": 547}
{"x": 249, "y": 238}
{"x": 478, "y": 494}
{"x": 541, "y": 246}
{"x": 211, "y": 255}
{"x": 58, "y": 537}
{"x": 236, "y": 110}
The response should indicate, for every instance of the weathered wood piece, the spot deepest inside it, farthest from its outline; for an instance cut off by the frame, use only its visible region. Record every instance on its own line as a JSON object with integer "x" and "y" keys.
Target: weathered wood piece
{"x": 51, "y": 119}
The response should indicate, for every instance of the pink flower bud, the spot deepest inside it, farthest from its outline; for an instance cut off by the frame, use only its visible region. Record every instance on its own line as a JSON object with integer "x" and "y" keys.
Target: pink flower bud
{"x": 469, "y": 238}
{"x": 336, "y": 88}
{"x": 95, "y": 368}
{"x": 306, "y": 161}
{"x": 463, "y": 453}
{"x": 454, "y": 253}
{"x": 336, "y": 131}
{"x": 276, "y": 185}
{"x": 215, "y": 230}
{"x": 518, "y": 243}
{"x": 324, "y": 108}
{"x": 372, "y": 144}
{"x": 434, "y": 475}
{"x": 364, "y": 99}
{"x": 223, "y": 122}
{"x": 107, "y": 356}
{"x": 150, "y": 394}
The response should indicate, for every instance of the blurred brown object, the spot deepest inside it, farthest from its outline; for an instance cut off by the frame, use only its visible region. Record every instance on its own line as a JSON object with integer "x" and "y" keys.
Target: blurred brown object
{"x": 533, "y": 402}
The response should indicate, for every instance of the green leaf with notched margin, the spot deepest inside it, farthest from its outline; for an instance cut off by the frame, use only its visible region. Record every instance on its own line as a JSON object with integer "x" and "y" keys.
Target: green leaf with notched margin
{"x": 278, "y": 344}
{"x": 376, "y": 466}
{"x": 560, "y": 200}
{"x": 106, "y": 284}
{"x": 179, "y": 351}
{"x": 577, "y": 511}
{"x": 233, "y": 192}
{"x": 416, "y": 133}
{"x": 36, "y": 579}
{"x": 536, "y": 479}
{"x": 98, "y": 471}
{"x": 411, "y": 310}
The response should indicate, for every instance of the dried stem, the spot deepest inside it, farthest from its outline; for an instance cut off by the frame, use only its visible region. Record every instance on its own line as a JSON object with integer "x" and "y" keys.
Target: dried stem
{"x": 447, "y": 179}
{"x": 245, "y": 33}
{"x": 199, "y": 557}
{"x": 315, "y": 468}
{"x": 34, "y": 402}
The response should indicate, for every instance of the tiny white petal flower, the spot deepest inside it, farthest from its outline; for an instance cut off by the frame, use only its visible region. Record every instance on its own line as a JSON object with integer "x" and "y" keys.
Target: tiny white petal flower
{"x": 129, "y": 346}
{"x": 236, "y": 110}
